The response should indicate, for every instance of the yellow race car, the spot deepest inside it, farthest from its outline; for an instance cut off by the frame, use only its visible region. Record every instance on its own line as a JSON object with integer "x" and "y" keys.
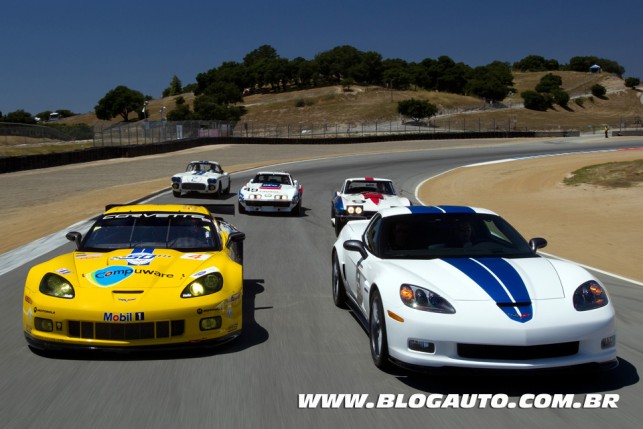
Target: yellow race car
{"x": 144, "y": 276}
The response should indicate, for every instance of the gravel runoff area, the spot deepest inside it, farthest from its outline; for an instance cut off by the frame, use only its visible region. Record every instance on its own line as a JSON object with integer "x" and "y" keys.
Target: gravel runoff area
{"x": 593, "y": 226}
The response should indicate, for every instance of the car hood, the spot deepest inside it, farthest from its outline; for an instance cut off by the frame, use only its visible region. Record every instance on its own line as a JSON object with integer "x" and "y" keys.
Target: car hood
{"x": 140, "y": 268}
{"x": 197, "y": 175}
{"x": 480, "y": 279}
{"x": 269, "y": 188}
{"x": 374, "y": 200}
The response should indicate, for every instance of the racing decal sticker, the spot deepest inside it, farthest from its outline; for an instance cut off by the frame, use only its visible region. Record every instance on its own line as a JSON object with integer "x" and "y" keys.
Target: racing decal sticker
{"x": 204, "y": 272}
{"x": 374, "y": 197}
{"x": 123, "y": 317}
{"x": 109, "y": 276}
{"x": 63, "y": 271}
{"x": 501, "y": 282}
{"x": 270, "y": 186}
{"x": 88, "y": 255}
{"x": 196, "y": 256}
{"x": 439, "y": 209}
{"x": 139, "y": 257}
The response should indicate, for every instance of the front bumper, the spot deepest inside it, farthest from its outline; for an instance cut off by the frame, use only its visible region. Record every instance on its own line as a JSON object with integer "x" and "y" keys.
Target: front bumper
{"x": 268, "y": 205}
{"x": 451, "y": 340}
{"x": 191, "y": 322}
{"x": 203, "y": 188}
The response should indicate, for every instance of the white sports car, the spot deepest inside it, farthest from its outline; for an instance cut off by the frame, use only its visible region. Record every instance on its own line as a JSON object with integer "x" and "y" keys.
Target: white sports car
{"x": 458, "y": 286}
{"x": 205, "y": 177}
{"x": 271, "y": 191}
{"x": 361, "y": 198}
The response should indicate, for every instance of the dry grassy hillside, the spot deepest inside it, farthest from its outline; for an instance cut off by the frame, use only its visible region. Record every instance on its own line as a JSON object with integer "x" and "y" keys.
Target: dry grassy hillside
{"x": 333, "y": 105}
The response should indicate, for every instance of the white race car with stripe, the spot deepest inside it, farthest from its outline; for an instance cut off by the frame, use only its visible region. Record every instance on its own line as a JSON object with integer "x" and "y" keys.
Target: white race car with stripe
{"x": 458, "y": 286}
{"x": 271, "y": 191}
{"x": 361, "y": 198}
{"x": 203, "y": 177}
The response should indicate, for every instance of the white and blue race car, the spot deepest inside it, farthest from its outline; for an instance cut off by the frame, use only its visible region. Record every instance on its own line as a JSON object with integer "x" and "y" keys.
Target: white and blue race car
{"x": 361, "y": 198}
{"x": 271, "y": 191}
{"x": 454, "y": 286}
{"x": 203, "y": 177}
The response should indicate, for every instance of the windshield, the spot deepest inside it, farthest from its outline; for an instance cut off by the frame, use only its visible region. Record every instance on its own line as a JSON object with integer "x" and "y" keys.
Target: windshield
{"x": 158, "y": 230}
{"x": 370, "y": 186}
{"x": 427, "y": 236}
{"x": 280, "y": 179}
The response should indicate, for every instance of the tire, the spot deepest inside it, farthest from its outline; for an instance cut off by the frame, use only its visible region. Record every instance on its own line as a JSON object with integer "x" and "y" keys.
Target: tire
{"x": 338, "y": 227}
{"x": 339, "y": 289}
{"x": 177, "y": 194}
{"x": 227, "y": 189}
{"x": 296, "y": 211}
{"x": 240, "y": 209}
{"x": 377, "y": 333}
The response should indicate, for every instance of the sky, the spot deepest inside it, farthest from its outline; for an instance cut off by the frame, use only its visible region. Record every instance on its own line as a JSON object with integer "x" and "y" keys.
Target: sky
{"x": 67, "y": 54}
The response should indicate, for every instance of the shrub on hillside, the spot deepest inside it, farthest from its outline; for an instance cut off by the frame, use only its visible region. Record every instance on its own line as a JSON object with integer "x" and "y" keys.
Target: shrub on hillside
{"x": 536, "y": 101}
{"x": 598, "y": 90}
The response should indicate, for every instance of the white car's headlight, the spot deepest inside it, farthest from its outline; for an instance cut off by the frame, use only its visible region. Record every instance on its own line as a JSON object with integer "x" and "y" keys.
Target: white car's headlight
{"x": 354, "y": 210}
{"x": 424, "y": 299}
{"x": 589, "y": 296}
{"x": 54, "y": 285}
{"x": 205, "y": 285}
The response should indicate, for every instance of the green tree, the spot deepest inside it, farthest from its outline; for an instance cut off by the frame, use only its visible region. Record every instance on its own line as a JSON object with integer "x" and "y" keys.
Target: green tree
{"x": 535, "y": 101}
{"x": 119, "y": 101}
{"x": 583, "y": 64}
{"x": 549, "y": 83}
{"x": 207, "y": 108}
{"x": 534, "y": 63}
{"x": 416, "y": 109}
{"x": 175, "y": 87}
{"x": 20, "y": 117}
{"x": 181, "y": 112}
{"x": 492, "y": 81}
{"x": 560, "y": 97}
{"x": 632, "y": 82}
{"x": 598, "y": 90}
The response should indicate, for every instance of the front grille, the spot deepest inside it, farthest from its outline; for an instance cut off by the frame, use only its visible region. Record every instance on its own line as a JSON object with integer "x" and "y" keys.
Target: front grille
{"x": 268, "y": 203}
{"x": 490, "y": 352}
{"x": 193, "y": 186}
{"x": 126, "y": 331}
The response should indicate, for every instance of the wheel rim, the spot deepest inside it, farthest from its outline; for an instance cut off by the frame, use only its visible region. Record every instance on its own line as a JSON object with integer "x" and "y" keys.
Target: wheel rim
{"x": 376, "y": 329}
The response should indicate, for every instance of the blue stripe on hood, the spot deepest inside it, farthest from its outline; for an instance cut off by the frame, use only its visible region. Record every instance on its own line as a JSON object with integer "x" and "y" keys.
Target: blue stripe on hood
{"x": 501, "y": 282}
{"x": 440, "y": 209}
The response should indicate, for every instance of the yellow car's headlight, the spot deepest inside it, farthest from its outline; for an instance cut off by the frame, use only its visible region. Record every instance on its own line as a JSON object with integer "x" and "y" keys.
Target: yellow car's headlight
{"x": 204, "y": 285}
{"x": 57, "y": 286}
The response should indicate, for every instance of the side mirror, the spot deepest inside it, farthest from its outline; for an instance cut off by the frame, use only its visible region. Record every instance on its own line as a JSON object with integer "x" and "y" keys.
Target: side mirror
{"x": 537, "y": 243}
{"x": 74, "y": 236}
{"x": 235, "y": 244}
{"x": 356, "y": 246}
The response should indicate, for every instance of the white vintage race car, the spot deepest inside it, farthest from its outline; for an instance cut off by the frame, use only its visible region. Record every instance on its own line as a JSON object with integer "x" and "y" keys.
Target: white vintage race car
{"x": 205, "y": 177}
{"x": 361, "y": 198}
{"x": 271, "y": 191}
{"x": 454, "y": 286}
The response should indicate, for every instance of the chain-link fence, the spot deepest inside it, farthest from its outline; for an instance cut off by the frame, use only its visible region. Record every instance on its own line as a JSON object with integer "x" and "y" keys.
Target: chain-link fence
{"x": 145, "y": 132}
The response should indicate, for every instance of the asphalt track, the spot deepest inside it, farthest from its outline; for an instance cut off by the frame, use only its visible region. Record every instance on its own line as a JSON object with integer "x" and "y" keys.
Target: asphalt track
{"x": 295, "y": 341}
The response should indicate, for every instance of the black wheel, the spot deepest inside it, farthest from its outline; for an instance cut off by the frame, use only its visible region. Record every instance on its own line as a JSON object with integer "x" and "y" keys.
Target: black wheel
{"x": 338, "y": 226}
{"x": 339, "y": 290}
{"x": 296, "y": 211}
{"x": 241, "y": 209}
{"x": 377, "y": 332}
{"x": 177, "y": 194}
{"x": 227, "y": 189}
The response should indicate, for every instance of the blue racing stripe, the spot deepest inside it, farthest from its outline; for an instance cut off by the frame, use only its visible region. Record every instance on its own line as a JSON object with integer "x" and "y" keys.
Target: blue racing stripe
{"x": 491, "y": 274}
